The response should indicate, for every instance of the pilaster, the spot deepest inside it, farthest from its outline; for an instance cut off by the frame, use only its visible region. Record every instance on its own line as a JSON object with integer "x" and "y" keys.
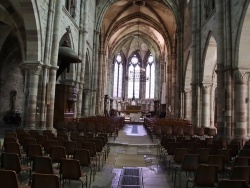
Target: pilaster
{"x": 32, "y": 71}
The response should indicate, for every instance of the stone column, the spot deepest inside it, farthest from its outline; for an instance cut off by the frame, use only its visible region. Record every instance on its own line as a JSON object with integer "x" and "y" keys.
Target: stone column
{"x": 43, "y": 98}
{"x": 51, "y": 85}
{"x": 33, "y": 71}
{"x": 94, "y": 96}
{"x": 86, "y": 104}
{"x": 212, "y": 106}
{"x": 221, "y": 129}
{"x": 206, "y": 100}
{"x": 187, "y": 104}
{"x": 241, "y": 99}
{"x": 83, "y": 48}
{"x": 196, "y": 59}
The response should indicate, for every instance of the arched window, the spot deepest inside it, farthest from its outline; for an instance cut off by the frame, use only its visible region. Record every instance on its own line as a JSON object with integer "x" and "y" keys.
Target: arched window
{"x": 118, "y": 73}
{"x": 150, "y": 75}
{"x": 134, "y": 78}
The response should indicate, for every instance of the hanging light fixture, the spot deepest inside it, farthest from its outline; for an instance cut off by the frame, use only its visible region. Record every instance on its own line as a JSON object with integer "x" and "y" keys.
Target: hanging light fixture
{"x": 138, "y": 3}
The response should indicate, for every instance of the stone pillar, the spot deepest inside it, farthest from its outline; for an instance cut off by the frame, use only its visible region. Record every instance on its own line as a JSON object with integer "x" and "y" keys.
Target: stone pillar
{"x": 43, "y": 98}
{"x": 221, "y": 129}
{"x": 212, "y": 106}
{"x": 196, "y": 59}
{"x": 241, "y": 99}
{"x": 86, "y": 104}
{"x": 187, "y": 104}
{"x": 94, "y": 96}
{"x": 206, "y": 100}
{"x": 33, "y": 71}
{"x": 83, "y": 48}
{"x": 51, "y": 86}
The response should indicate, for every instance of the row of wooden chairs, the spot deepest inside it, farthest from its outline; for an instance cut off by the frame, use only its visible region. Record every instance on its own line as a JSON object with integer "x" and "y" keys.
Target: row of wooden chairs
{"x": 8, "y": 178}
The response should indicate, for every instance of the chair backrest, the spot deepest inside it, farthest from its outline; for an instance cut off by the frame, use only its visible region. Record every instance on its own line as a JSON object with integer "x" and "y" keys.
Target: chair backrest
{"x": 10, "y": 135}
{"x": 240, "y": 173}
{"x": 42, "y": 165}
{"x": 180, "y": 154}
{"x": 11, "y": 161}
{"x": 40, "y": 139}
{"x": 206, "y": 175}
{"x": 91, "y": 147}
{"x": 83, "y": 156}
{"x": 57, "y": 153}
{"x": 203, "y": 154}
{"x": 228, "y": 183}
{"x": 8, "y": 179}
{"x": 70, "y": 147}
{"x": 13, "y": 147}
{"x": 98, "y": 144}
{"x": 190, "y": 162}
{"x": 34, "y": 150}
{"x": 45, "y": 180}
{"x": 217, "y": 160}
{"x": 49, "y": 144}
{"x": 241, "y": 161}
{"x": 6, "y": 140}
{"x": 70, "y": 169}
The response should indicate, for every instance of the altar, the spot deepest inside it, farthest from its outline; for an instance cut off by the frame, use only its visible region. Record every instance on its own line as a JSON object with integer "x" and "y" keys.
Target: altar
{"x": 134, "y": 112}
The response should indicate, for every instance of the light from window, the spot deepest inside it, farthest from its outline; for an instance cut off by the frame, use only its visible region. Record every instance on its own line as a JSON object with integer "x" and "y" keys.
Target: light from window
{"x": 118, "y": 72}
{"x": 150, "y": 75}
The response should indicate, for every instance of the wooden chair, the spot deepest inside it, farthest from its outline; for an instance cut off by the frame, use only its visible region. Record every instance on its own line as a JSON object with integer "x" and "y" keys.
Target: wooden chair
{"x": 57, "y": 153}
{"x": 202, "y": 179}
{"x": 8, "y": 179}
{"x": 85, "y": 161}
{"x": 189, "y": 164}
{"x": 70, "y": 169}
{"x": 45, "y": 180}
{"x": 11, "y": 161}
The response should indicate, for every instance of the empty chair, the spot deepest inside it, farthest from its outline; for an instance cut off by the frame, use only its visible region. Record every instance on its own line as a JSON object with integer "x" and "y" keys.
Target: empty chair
{"x": 240, "y": 173}
{"x": 189, "y": 164}
{"x": 13, "y": 147}
{"x": 70, "y": 169}
{"x": 43, "y": 165}
{"x": 41, "y": 139}
{"x": 70, "y": 147}
{"x": 217, "y": 160}
{"x": 74, "y": 135}
{"x": 45, "y": 180}
{"x": 11, "y": 161}
{"x": 59, "y": 140}
{"x": 99, "y": 151}
{"x": 179, "y": 155}
{"x": 84, "y": 158}
{"x": 8, "y": 179}
{"x": 22, "y": 136}
{"x": 57, "y": 153}
{"x": 90, "y": 146}
{"x": 33, "y": 151}
{"x": 49, "y": 144}
{"x": 26, "y": 142}
{"x": 244, "y": 153}
{"x": 205, "y": 176}
{"x": 203, "y": 155}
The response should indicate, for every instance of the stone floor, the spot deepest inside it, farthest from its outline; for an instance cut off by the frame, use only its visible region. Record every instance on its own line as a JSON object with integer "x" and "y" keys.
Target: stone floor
{"x": 132, "y": 140}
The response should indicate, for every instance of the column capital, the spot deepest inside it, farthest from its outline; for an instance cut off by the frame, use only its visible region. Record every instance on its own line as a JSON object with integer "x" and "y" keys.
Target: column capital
{"x": 242, "y": 75}
{"x": 34, "y": 67}
{"x": 187, "y": 90}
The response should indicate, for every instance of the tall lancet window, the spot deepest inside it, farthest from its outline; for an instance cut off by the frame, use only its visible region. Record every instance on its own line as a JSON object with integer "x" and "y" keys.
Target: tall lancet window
{"x": 134, "y": 78}
{"x": 150, "y": 75}
{"x": 118, "y": 72}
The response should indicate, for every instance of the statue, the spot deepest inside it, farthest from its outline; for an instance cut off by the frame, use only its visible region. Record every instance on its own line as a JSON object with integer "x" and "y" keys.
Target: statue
{"x": 13, "y": 94}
